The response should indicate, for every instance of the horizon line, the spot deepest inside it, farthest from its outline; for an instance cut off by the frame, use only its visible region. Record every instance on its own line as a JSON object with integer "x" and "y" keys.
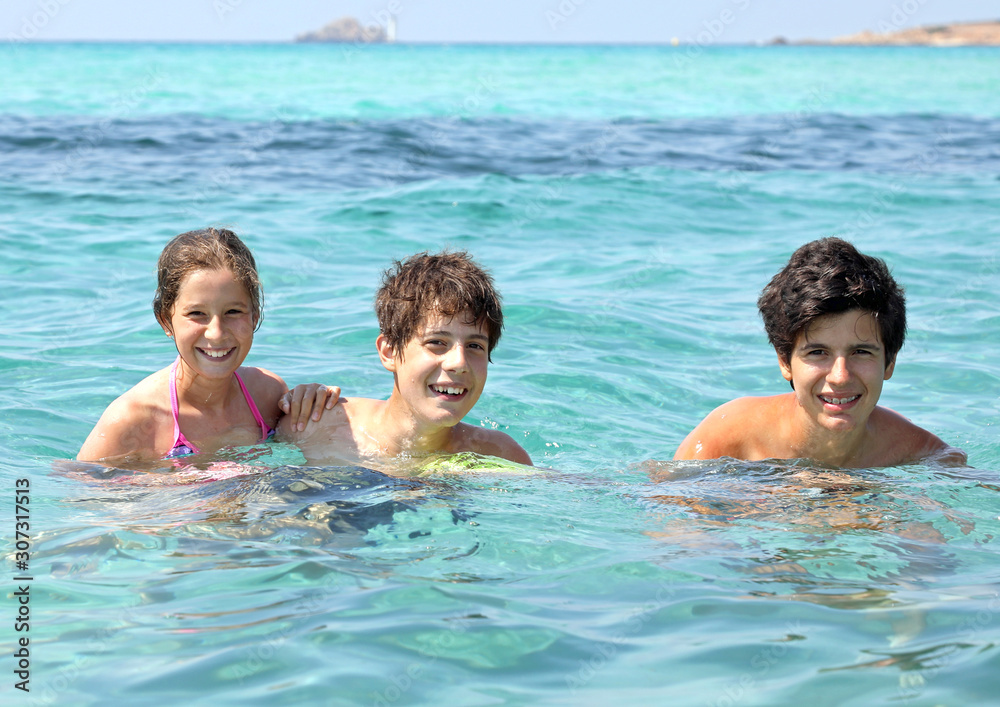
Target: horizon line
{"x": 774, "y": 42}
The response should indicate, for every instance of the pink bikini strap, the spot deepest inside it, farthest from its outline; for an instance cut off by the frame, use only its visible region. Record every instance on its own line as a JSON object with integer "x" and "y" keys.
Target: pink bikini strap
{"x": 264, "y": 429}
{"x": 179, "y": 437}
{"x": 173, "y": 399}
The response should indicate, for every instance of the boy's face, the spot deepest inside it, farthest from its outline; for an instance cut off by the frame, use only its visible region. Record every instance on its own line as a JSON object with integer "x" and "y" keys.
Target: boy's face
{"x": 837, "y": 368}
{"x": 442, "y": 370}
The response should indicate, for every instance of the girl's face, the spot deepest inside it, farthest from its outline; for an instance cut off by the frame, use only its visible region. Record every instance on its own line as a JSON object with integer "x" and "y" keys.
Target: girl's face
{"x": 212, "y": 322}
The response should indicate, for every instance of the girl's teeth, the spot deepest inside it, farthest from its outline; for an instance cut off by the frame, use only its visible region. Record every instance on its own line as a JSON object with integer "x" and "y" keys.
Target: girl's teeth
{"x": 215, "y": 354}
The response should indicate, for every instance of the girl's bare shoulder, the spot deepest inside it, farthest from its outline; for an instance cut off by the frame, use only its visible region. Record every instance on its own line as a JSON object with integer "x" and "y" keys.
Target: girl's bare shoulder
{"x": 133, "y": 423}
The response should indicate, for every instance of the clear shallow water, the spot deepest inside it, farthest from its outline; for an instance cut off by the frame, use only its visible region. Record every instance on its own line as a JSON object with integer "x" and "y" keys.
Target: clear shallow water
{"x": 631, "y": 203}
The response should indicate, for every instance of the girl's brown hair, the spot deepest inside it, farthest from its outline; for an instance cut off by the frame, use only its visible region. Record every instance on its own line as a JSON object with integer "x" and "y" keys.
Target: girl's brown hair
{"x": 205, "y": 249}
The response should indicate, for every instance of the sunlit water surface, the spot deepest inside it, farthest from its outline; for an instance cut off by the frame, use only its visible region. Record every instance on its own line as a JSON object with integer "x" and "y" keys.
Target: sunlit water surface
{"x": 631, "y": 203}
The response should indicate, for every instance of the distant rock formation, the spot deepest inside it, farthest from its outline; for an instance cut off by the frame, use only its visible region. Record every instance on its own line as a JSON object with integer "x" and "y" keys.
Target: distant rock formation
{"x": 959, "y": 34}
{"x": 346, "y": 29}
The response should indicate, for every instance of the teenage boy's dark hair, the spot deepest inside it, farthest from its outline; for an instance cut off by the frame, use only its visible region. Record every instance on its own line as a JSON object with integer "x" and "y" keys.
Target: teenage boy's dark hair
{"x": 449, "y": 284}
{"x": 830, "y": 276}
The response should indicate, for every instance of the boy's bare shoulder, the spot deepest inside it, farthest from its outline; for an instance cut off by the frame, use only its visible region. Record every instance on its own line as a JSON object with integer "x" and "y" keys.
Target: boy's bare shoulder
{"x": 334, "y": 438}
{"x": 490, "y": 442}
{"x": 907, "y": 442}
{"x": 341, "y": 417}
{"x": 731, "y": 430}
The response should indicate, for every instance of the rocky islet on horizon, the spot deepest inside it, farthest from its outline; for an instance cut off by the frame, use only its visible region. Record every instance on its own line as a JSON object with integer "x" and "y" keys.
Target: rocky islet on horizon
{"x": 346, "y": 29}
{"x": 957, "y": 34}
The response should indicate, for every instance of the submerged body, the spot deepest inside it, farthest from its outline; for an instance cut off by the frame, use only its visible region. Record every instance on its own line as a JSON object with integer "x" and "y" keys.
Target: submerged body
{"x": 837, "y": 369}
{"x": 757, "y": 428}
{"x": 439, "y": 319}
{"x": 355, "y": 433}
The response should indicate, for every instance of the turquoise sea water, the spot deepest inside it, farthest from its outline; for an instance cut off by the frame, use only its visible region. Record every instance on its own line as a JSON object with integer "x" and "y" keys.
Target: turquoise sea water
{"x": 631, "y": 203}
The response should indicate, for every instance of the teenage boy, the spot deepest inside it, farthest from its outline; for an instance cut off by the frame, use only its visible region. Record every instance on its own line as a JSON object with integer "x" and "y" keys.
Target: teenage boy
{"x": 439, "y": 318}
{"x": 836, "y": 319}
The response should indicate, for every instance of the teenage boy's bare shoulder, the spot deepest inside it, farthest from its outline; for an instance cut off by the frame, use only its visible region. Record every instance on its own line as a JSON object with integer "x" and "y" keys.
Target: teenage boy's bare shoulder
{"x": 494, "y": 443}
{"x": 333, "y": 437}
{"x": 907, "y": 443}
{"x": 737, "y": 429}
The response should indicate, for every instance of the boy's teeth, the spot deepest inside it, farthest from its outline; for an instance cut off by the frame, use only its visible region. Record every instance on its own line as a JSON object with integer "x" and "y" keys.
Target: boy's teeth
{"x": 839, "y": 401}
{"x": 449, "y": 391}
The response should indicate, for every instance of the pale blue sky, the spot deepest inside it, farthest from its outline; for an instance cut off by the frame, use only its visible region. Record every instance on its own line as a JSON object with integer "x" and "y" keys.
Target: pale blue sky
{"x": 714, "y": 21}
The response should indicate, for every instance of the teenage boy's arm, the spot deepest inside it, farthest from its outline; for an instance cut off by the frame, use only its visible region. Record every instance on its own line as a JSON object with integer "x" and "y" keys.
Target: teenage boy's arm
{"x": 514, "y": 452}
{"x": 319, "y": 438}
{"x": 949, "y": 456}
{"x": 495, "y": 443}
{"x": 720, "y": 434}
{"x": 913, "y": 443}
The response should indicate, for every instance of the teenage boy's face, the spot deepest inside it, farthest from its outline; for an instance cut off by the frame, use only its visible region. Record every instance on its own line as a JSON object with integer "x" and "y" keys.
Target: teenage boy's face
{"x": 837, "y": 368}
{"x": 442, "y": 370}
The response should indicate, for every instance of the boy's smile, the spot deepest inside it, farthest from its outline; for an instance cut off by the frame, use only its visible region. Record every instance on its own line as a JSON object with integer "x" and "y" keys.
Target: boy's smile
{"x": 449, "y": 392}
{"x": 837, "y": 368}
{"x": 441, "y": 371}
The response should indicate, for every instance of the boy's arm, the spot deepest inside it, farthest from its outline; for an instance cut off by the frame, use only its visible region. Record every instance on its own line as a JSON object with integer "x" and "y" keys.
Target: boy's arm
{"x": 288, "y": 431}
{"x": 949, "y": 456}
{"x": 915, "y": 444}
{"x": 319, "y": 440}
{"x": 514, "y": 452}
{"x": 495, "y": 443}
{"x": 720, "y": 434}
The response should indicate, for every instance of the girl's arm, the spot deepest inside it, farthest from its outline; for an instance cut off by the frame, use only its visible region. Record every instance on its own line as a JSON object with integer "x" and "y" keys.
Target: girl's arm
{"x": 124, "y": 430}
{"x": 307, "y": 401}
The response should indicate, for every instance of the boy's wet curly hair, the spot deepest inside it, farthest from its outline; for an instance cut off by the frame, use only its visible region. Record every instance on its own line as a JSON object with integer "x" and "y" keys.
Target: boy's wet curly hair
{"x": 447, "y": 283}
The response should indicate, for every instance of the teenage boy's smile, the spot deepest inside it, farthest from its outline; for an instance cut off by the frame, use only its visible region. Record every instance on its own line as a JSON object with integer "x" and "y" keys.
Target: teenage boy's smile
{"x": 840, "y": 404}
{"x": 449, "y": 392}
